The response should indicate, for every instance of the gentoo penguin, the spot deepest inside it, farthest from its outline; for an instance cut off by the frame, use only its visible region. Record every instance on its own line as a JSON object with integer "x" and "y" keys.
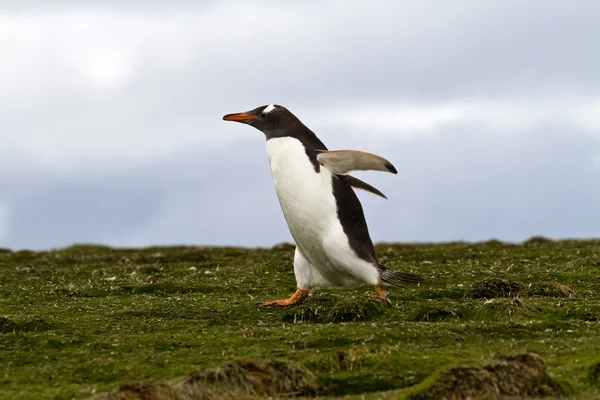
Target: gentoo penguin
{"x": 324, "y": 215}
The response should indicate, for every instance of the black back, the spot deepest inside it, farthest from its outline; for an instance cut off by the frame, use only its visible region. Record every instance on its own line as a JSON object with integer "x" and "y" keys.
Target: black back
{"x": 352, "y": 218}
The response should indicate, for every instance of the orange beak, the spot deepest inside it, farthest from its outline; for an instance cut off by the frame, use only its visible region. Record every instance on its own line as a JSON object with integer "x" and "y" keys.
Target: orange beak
{"x": 239, "y": 117}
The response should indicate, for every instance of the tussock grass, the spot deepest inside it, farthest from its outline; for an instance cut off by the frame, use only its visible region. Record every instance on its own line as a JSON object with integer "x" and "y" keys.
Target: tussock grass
{"x": 522, "y": 375}
{"x": 351, "y": 309}
{"x": 235, "y": 380}
{"x": 492, "y": 288}
{"x": 437, "y": 311}
{"x": 146, "y": 391}
{"x": 503, "y": 309}
{"x": 549, "y": 289}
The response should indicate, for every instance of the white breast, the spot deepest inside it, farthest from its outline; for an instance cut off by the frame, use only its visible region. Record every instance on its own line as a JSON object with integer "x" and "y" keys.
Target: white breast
{"x": 310, "y": 209}
{"x": 305, "y": 196}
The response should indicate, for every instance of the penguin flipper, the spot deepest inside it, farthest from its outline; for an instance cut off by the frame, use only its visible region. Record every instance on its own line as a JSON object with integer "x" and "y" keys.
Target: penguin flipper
{"x": 341, "y": 162}
{"x": 358, "y": 184}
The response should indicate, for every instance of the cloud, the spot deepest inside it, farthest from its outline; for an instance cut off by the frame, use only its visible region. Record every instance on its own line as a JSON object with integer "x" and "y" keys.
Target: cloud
{"x": 511, "y": 116}
{"x": 96, "y": 86}
{"x": 111, "y": 131}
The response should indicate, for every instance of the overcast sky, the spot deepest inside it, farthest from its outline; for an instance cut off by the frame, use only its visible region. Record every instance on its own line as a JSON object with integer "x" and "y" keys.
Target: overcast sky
{"x": 111, "y": 130}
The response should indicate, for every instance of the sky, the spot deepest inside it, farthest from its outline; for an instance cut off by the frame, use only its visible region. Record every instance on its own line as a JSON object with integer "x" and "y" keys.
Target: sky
{"x": 111, "y": 130}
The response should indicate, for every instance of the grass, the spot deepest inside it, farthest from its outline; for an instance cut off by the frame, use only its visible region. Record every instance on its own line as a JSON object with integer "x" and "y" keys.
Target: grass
{"x": 86, "y": 320}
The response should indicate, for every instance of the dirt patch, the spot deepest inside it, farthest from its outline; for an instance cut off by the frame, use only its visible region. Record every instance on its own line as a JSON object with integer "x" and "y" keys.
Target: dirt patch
{"x": 493, "y": 288}
{"x": 520, "y": 375}
{"x": 549, "y": 289}
{"x": 238, "y": 379}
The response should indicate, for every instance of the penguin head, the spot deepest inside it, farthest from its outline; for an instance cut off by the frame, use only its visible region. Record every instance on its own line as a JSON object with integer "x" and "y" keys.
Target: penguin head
{"x": 268, "y": 119}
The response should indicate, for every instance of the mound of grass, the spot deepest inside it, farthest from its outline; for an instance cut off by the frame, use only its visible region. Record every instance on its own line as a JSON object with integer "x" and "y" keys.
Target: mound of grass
{"x": 146, "y": 391}
{"x": 235, "y": 380}
{"x": 549, "y": 289}
{"x": 284, "y": 246}
{"x": 436, "y": 311}
{"x": 538, "y": 240}
{"x": 493, "y": 288}
{"x": 252, "y": 378}
{"x": 523, "y": 375}
{"x": 351, "y": 309}
{"x": 502, "y": 309}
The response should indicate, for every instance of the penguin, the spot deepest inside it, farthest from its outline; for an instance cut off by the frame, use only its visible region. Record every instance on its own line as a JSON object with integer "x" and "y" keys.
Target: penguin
{"x": 323, "y": 213}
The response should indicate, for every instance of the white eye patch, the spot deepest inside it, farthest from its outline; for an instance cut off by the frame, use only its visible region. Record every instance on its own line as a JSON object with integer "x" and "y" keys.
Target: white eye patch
{"x": 269, "y": 108}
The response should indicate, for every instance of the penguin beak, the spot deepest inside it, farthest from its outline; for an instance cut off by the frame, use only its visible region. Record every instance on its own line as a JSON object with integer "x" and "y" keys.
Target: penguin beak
{"x": 240, "y": 117}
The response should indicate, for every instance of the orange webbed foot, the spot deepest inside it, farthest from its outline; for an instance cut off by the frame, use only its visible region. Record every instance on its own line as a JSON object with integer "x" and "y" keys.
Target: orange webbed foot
{"x": 294, "y": 300}
{"x": 279, "y": 303}
{"x": 381, "y": 292}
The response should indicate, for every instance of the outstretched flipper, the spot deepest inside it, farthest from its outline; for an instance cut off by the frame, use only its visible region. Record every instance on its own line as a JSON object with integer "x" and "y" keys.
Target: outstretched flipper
{"x": 341, "y": 162}
{"x": 358, "y": 184}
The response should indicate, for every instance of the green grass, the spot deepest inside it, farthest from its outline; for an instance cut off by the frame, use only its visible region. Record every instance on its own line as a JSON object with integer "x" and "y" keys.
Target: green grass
{"x": 87, "y": 319}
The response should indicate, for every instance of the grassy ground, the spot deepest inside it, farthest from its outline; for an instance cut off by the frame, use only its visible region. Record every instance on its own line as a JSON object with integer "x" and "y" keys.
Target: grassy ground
{"x": 87, "y": 319}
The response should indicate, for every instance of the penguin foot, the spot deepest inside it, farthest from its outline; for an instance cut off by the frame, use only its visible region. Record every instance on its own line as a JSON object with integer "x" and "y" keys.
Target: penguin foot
{"x": 296, "y": 299}
{"x": 381, "y": 292}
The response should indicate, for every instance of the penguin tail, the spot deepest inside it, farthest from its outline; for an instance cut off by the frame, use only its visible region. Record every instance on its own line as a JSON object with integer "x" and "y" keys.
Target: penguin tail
{"x": 397, "y": 278}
